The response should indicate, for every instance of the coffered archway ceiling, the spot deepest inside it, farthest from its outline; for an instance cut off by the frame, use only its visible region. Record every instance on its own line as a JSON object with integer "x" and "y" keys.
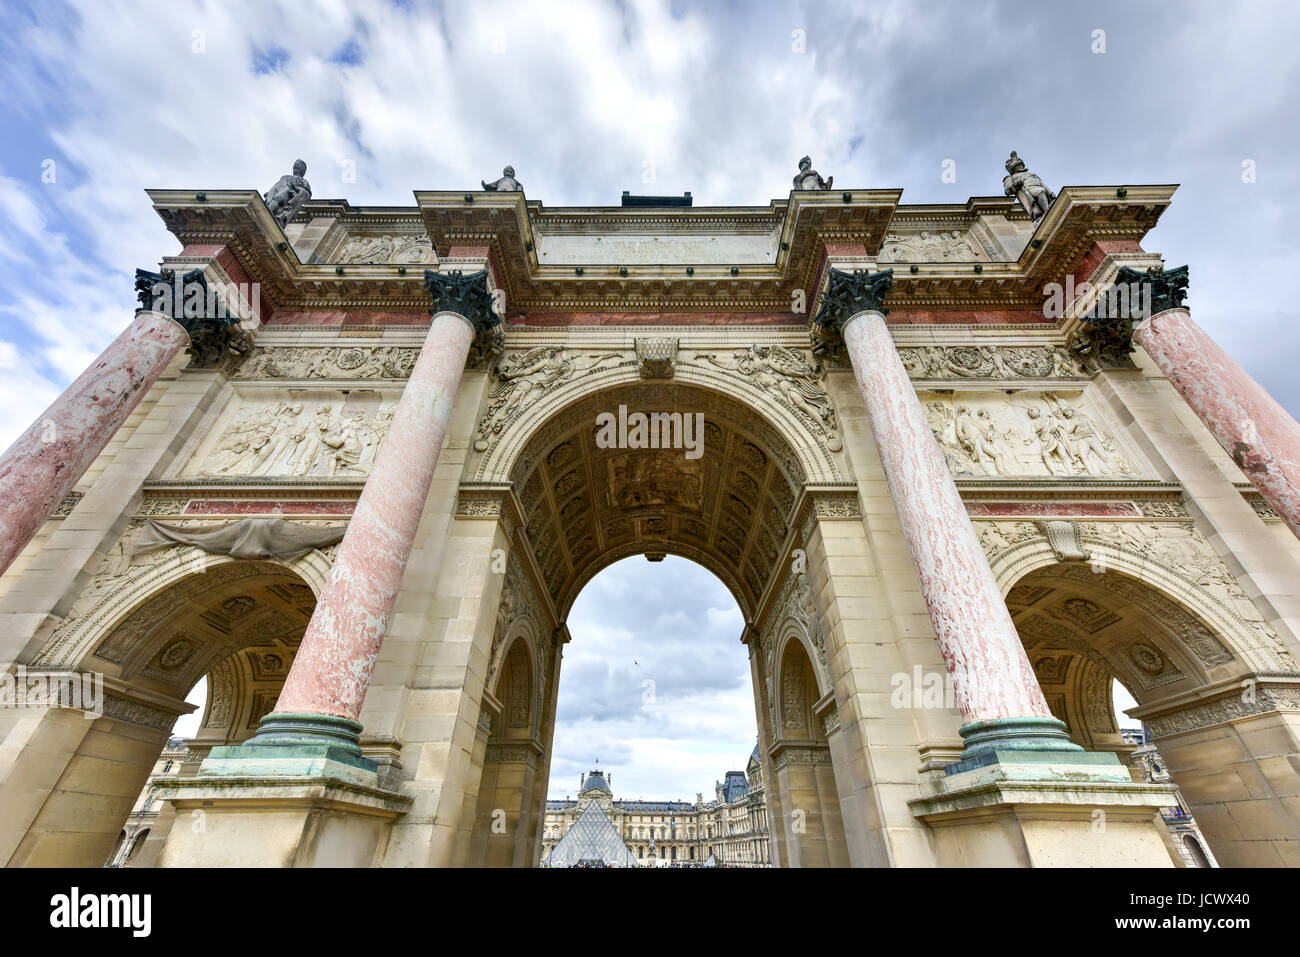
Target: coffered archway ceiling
{"x": 585, "y": 507}
{"x": 1072, "y": 618}
{"x": 179, "y": 634}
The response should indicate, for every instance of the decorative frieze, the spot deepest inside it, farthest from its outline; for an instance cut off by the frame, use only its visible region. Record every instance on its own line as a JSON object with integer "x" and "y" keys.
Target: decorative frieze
{"x": 992, "y": 362}
{"x": 388, "y": 249}
{"x": 925, "y": 246}
{"x": 333, "y": 362}
{"x": 1254, "y": 697}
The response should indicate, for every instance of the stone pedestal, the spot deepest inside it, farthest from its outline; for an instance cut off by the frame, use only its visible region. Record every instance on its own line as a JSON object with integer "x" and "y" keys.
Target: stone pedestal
{"x": 1033, "y": 809}
{"x": 47, "y": 460}
{"x": 332, "y": 815}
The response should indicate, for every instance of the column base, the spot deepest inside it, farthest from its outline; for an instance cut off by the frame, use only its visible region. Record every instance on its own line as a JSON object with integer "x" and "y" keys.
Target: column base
{"x": 1006, "y": 808}
{"x": 296, "y": 745}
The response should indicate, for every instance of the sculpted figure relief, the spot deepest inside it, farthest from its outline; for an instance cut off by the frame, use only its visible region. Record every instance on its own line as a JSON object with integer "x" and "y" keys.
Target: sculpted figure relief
{"x": 1030, "y": 434}
{"x": 787, "y": 374}
{"x": 928, "y": 247}
{"x": 288, "y": 195}
{"x": 288, "y": 438}
{"x": 529, "y": 374}
{"x": 388, "y": 249}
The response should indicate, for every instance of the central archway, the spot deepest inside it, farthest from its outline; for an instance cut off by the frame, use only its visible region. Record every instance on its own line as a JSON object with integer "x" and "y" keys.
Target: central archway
{"x": 728, "y": 505}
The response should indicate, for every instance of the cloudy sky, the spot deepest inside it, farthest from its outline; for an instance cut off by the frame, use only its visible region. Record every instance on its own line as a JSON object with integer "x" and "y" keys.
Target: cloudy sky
{"x": 587, "y": 99}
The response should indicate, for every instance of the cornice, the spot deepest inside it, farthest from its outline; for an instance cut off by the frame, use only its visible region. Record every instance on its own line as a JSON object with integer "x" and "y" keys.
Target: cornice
{"x": 804, "y": 226}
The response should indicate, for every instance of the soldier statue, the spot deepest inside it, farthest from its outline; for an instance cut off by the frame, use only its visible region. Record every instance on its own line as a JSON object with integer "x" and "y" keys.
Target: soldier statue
{"x": 809, "y": 178}
{"x": 288, "y": 195}
{"x": 506, "y": 184}
{"x": 1026, "y": 187}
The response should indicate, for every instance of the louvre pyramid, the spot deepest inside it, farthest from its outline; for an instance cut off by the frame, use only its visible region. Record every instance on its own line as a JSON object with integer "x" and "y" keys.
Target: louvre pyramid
{"x": 592, "y": 838}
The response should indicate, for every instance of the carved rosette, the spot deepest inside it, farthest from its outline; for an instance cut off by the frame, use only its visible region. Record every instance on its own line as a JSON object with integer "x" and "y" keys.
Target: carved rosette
{"x": 468, "y": 296}
{"x": 846, "y": 295}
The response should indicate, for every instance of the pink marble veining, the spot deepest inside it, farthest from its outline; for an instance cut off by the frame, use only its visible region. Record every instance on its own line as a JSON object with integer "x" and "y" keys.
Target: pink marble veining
{"x": 1262, "y": 438}
{"x": 992, "y": 677}
{"x": 47, "y": 460}
{"x": 332, "y": 669}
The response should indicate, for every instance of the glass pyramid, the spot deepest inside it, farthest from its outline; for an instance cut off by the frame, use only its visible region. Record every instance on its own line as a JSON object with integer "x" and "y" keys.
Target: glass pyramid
{"x": 592, "y": 840}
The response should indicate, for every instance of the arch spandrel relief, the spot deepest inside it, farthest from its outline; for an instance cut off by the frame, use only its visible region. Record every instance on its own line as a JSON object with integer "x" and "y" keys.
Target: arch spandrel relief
{"x": 309, "y": 434}
{"x": 145, "y": 588}
{"x": 1026, "y": 434}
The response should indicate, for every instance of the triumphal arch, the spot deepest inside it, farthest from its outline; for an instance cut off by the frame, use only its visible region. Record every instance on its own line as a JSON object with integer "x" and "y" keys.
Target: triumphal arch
{"x": 962, "y": 467}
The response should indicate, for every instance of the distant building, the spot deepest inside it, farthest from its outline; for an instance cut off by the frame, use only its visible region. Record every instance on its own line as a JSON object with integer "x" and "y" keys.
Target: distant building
{"x": 129, "y": 851}
{"x": 732, "y": 828}
{"x": 1184, "y": 835}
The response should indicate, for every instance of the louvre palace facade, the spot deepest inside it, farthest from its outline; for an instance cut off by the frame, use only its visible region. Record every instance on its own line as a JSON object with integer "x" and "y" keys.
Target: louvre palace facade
{"x": 963, "y": 467}
{"x": 731, "y": 828}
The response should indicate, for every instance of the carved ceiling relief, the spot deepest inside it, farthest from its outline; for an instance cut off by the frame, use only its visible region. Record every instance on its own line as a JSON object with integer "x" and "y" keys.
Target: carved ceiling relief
{"x": 1026, "y": 434}
{"x": 728, "y": 502}
{"x": 242, "y": 689}
{"x": 332, "y": 435}
{"x": 518, "y": 601}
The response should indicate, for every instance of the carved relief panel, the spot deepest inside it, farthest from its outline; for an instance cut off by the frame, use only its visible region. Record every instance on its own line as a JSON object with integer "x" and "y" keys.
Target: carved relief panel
{"x": 306, "y": 434}
{"x": 1027, "y": 433}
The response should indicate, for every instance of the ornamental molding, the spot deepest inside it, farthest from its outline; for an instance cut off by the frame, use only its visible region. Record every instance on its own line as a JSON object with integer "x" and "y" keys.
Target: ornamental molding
{"x": 994, "y": 362}
{"x": 490, "y": 500}
{"x": 331, "y": 362}
{"x": 1247, "y": 697}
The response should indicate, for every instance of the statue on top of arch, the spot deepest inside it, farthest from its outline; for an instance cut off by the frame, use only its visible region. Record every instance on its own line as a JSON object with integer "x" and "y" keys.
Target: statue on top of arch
{"x": 289, "y": 194}
{"x": 1027, "y": 187}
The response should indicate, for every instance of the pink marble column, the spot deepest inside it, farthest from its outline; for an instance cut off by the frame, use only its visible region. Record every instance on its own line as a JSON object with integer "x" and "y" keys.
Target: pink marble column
{"x": 332, "y": 669}
{"x": 47, "y": 460}
{"x": 1262, "y": 438}
{"x": 991, "y": 674}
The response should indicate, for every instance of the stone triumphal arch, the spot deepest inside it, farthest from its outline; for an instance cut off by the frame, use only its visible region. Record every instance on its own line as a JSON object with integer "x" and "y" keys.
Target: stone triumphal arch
{"x": 353, "y": 466}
